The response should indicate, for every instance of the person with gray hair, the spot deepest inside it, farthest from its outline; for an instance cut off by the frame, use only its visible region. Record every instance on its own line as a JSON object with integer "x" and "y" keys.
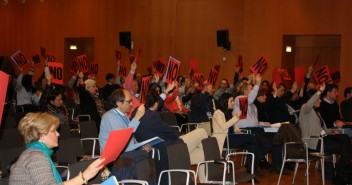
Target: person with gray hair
{"x": 90, "y": 101}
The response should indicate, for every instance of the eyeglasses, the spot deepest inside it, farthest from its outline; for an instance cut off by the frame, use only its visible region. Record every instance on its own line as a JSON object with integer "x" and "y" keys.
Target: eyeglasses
{"x": 128, "y": 101}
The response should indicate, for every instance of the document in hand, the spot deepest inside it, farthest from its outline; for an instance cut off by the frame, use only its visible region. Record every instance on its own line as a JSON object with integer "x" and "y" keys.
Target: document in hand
{"x": 110, "y": 181}
{"x": 151, "y": 142}
{"x": 116, "y": 142}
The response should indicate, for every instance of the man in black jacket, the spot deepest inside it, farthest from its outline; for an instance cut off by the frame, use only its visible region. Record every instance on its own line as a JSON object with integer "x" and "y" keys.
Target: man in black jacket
{"x": 152, "y": 125}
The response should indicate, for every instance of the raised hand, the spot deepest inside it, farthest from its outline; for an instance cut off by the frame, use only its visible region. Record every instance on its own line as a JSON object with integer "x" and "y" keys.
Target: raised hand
{"x": 258, "y": 79}
{"x": 140, "y": 112}
{"x": 133, "y": 67}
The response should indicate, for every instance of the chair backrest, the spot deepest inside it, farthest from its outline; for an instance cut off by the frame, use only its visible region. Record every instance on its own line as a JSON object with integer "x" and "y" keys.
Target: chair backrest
{"x": 169, "y": 117}
{"x": 189, "y": 117}
{"x": 69, "y": 150}
{"x": 71, "y": 113}
{"x": 18, "y": 116}
{"x": 9, "y": 122}
{"x": 77, "y": 167}
{"x": 64, "y": 131}
{"x": 211, "y": 152}
{"x": 83, "y": 117}
{"x": 88, "y": 129}
{"x": 10, "y": 138}
{"x": 178, "y": 157}
{"x": 8, "y": 156}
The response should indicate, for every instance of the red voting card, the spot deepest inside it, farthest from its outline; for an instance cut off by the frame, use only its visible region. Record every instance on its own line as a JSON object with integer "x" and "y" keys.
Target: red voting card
{"x": 144, "y": 88}
{"x": 159, "y": 66}
{"x": 276, "y": 76}
{"x": 36, "y": 59}
{"x": 260, "y": 66}
{"x": 213, "y": 76}
{"x": 335, "y": 75}
{"x": 116, "y": 142}
{"x": 4, "y": 80}
{"x": 199, "y": 78}
{"x": 57, "y": 72}
{"x": 122, "y": 70}
{"x": 93, "y": 70}
{"x": 82, "y": 63}
{"x": 172, "y": 70}
{"x": 322, "y": 75}
{"x": 19, "y": 59}
{"x": 300, "y": 73}
{"x": 135, "y": 103}
{"x": 194, "y": 65}
{"x": 243, "y": 101}
{"x": 285, "y": 75}
{"x": 217, "y": 67}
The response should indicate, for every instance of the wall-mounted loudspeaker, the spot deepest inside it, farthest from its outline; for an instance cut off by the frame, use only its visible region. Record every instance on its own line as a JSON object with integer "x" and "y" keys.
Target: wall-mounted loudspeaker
{"x": 125, "y": 39}
{"x": 223, "y": 39}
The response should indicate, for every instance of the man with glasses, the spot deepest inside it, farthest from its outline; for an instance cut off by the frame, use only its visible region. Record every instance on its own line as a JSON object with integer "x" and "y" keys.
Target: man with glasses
{"x": 116, "y": 118}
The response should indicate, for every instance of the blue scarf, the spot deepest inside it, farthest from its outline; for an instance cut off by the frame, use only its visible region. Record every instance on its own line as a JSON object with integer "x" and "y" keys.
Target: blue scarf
{"x": 47, "y": 151}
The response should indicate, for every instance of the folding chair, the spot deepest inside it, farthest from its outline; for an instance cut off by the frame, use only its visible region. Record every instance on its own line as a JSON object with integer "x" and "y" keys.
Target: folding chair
{"x": 180, "y": 171}
{"x": 170, "y": 118}
{"x": 127, "y": 182}
{"x": 298, "y": 152}
{"x": 10, "y": 138}
{"x": 83, "y": 117}
{"x": 69, "y": 151}
{"x": 214, "y": 165}
{"x": 64, "y": 131}
{"x": 7, "y": 156}
{"x": 89, "y": 138}
{"x": 77, "y": 167}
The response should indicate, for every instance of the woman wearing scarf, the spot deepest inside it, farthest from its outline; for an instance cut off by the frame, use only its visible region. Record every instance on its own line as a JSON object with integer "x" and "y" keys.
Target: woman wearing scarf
{"x": 35, "y": 166}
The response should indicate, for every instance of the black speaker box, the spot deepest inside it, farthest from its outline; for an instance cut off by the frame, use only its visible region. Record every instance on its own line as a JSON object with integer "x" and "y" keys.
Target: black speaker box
{"x": 125, "y": 39}
{"x": 223, "y": 39}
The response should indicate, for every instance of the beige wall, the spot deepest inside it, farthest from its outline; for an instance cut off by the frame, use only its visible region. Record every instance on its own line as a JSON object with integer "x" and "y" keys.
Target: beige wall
{"x": 185, "y": 29}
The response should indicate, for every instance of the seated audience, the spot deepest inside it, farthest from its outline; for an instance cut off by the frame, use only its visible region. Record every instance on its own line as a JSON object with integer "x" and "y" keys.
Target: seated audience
{"x": 225, "y": 124}
{"x": 265, "y": 140}
{"x": 313, "y": 125}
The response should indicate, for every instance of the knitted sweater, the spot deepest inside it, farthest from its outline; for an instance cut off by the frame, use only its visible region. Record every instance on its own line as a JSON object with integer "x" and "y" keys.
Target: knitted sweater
{"x": 32, "y": 168}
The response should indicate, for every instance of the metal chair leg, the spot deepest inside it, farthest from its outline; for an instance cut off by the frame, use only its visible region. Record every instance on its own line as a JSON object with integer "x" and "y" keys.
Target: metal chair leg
{"x": 294, "y": 174}
{"x": 282, "y": 168}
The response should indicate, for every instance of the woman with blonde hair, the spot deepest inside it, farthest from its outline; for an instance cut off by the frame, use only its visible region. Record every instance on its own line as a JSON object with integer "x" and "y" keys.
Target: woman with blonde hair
{"x": 35, "y": 166}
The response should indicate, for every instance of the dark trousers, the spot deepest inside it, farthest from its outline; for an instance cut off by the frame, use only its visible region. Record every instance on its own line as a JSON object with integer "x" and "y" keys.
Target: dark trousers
{"x": 339, "y": 144}
{"x": 265, "y": 142}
